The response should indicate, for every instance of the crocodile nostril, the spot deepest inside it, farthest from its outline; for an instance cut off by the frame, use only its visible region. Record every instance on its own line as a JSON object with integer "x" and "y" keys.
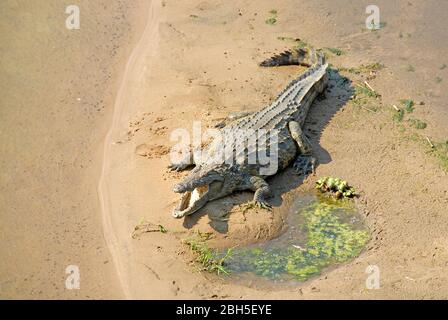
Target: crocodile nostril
{"x": 177, "y": 214}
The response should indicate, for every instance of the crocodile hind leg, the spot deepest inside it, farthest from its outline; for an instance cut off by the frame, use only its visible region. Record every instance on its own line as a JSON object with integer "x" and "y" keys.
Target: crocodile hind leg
{"x": 262, "y": 191}
{"x": 305, "y": 162}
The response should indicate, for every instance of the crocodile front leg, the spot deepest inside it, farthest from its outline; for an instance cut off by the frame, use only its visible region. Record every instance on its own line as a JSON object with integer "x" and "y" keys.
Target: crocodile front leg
{"x": 183, "y": 164}
{"x": 262, "y": 191}
{"x": 305, "y": 162}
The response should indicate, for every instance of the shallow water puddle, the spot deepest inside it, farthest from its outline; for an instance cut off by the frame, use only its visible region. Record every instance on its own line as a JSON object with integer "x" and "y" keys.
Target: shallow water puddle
{"x": 321, "y": 233}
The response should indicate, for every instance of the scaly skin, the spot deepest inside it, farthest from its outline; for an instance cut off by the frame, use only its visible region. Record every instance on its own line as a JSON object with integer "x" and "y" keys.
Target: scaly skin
{"x": 211, "y": 179}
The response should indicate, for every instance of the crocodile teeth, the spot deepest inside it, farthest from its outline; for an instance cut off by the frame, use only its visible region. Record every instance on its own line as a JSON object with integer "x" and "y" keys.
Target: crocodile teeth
{"x": 190, "y": 198}
{"x": 184, "y": 201}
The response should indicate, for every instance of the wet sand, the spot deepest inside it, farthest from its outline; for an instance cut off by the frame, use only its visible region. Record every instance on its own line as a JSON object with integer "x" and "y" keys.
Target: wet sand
{"x": 58, "y": 89}
{"x": 115, "y": 219}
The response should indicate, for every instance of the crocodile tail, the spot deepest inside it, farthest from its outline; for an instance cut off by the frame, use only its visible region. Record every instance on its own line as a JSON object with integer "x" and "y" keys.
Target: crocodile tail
{"x": 303, "y": 57}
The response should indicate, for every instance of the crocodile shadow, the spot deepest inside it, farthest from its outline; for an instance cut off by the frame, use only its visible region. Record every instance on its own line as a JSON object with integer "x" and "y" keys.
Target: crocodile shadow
{"x": 324, "y": 107}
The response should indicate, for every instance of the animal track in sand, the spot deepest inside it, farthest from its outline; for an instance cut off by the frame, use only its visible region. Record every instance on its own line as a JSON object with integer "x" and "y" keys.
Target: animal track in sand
{"x": 151, "y": 151}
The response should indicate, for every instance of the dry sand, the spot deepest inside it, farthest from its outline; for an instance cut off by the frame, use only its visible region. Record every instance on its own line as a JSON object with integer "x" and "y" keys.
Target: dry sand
{"x": 197, "y": 60}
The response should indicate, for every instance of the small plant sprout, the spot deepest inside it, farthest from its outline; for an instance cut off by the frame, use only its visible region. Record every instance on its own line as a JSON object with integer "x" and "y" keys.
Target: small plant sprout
{"x": 399, "y": 115}
{"x": 147, "y": 227}
{"x": 335, "y": 186}
{"x": 298, "y": 43}
{"x": 335, "y": 51}
{"x": 365, "y": 68}
{"x": 417, "y": 124}
{"x": 366, "y": 90}
{"x": 273, "y": 18}
{"x": 408, "y": 105}
{"x": 209, "y": 260}
{"x": 440, "y": 150}
{"x": 410, "y": 68}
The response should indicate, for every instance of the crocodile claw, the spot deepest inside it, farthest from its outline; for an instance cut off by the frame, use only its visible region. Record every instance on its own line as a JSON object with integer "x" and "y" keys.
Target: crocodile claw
{"x": 304, "y": 165}
{"x": 263, "y": 205}
{"x": 220, "y": 125}
{"x": 177, "y": 167}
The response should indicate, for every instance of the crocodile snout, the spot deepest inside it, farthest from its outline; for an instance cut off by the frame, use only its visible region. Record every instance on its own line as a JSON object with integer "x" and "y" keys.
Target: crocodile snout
{"x": 179, "y": 188}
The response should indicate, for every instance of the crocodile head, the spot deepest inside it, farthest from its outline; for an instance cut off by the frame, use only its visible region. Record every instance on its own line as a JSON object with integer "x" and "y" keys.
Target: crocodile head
{"x": 203, "y": 184}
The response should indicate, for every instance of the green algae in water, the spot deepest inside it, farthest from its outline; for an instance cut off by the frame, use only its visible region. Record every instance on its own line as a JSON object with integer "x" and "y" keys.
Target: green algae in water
{"x": 322, "y": 233}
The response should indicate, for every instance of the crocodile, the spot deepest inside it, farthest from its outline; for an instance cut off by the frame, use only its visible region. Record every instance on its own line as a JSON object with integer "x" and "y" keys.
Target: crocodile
{"x": 210, "y": 180}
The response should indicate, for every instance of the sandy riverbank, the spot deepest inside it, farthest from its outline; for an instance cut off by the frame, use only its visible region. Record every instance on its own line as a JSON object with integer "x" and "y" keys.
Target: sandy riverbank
{"x": 204, "y": 65}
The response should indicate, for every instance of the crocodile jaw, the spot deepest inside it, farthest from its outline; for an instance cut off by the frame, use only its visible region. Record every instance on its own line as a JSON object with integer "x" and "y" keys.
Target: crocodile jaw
{"x": 191, "y": 201}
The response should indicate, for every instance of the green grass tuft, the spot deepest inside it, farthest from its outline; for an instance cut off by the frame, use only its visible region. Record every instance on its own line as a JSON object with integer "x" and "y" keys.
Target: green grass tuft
{"x": 286, "y": 39}
{"x": 410, "y": 68}
{"x": 417, "y": 124}
{"x": 366, "y": 91}
{"x": 408, "y": 105}
{"x": 440, "y": 151}
{"x": 209, "y": 259}
{"x": 398, "y": 115}
{"x": 335, "y": 51}
{"x": 273, "y": 18}
{"x": 300, "y": 44}
{"x": 336, "y": 187}
{"x": 364, "y": 68}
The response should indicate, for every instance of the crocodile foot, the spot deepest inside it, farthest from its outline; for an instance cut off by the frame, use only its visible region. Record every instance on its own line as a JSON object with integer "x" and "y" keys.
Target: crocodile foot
{"x": 178, "y": 166}
{"x": 304, "y": 164}
{"x": 220, "y": 125}
{"x": 263, "y": 205}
